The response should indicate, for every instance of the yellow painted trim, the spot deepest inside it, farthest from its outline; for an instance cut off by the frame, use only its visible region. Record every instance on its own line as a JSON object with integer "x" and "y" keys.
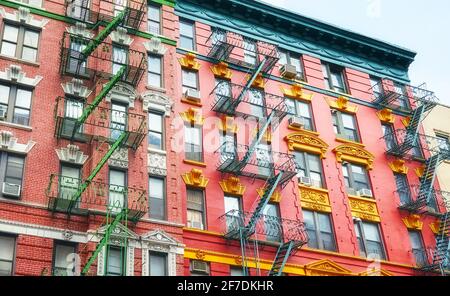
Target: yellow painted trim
{"x": 308, "y": 142}
{"x": 190, "y": 102}
{"x": 203, "y": 231}
{"x": 222, "y": 71}
{"x": 316, "y": 199}
{"x": 259, "y": 81}
{"x": 296, "y": 92}
{"x": 233, "y": 186}
{"x": 227, "y": 125}
{"x": 342, "y": 104}
{"x": 192, "y": 116}
{"x": 420, "y": 171}
{"x": 192, "y": 162}
{"x": 189, "y": 62}
{"x": 406, "y": 121}
{"x": 275, "y": 198}
{"x": 386, "y": 116}
{"x": 413, "y": 222}
{"x": 364, "y": 208}
{"x": 298, "y": 129}
{"x": 398, "y": 166}
{"x": 326, "y": 267}
{"x": 354, "y": 154}
{"x": 345, "y": 141}
{"x": 195, "y": 178}
{"x": 435, "y": 227}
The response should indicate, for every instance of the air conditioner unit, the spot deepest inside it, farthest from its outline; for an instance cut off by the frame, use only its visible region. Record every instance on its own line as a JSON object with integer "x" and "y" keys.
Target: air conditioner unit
{"x": 288, "y": 71}
{"x": 352, "y": 191}
{"x": 11, "y": 189}
{"x": 199, "y": 266}
{"x": 305, "y": 181}
{"x": 192, "y": 95}
{"x": 194, "y": 224}
{"x": 2, "y": 114}
{"x": 365, "y": 193}
{"x": 295, "y": 122}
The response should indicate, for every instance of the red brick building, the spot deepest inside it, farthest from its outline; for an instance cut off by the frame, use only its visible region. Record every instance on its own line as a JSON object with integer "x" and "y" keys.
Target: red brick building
{"x": 216, "y": 138}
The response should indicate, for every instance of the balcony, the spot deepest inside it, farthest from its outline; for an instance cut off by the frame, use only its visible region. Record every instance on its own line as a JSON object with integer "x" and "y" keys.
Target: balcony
{"x": 103, "y": 62}
{"x": 98, "y": 197}
{"x": 103, "y": 124}
{"x": 268, "y": 228}
{"x": 263, "y": 163}
{"x": 412, "y": 199}
{"x": 103, "y": 12}
{"x": 402, "y": 98}
{"x": 233, "y": 48}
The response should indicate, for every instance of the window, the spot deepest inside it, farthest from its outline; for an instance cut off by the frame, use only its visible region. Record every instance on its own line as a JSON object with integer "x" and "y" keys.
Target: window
{"x": 15, "y": 104}
{"x": 77, "y": 62}
{"x": 115, "y": 261}
{"x": 310, "y": 166}
{"x": 11, "y": 173}
{"x": 64, "y": 259}
{"x": 356, "y": 178}
{"x": 236, "y": 271}
{"x": 228, "y": 145}
{"x": 271, "y": 220}
{"x": 195, "y": 208}
{"x": 7, "y": 254}
{"x": 334, "y": 78}
{"x": 250, "y": 52}
{"x": 156, "y": 130}
{"x": 345, "y": 125}
{"x": 256, "y": 100}
{"x": 120, "y": 58}
{"x": 402, "y": 100}
{"x": 155, "y": 70}
{"x": 443, "y": 142}
{"x": 320, "y": 231}
{"x": 293, "y": 59}
{"x": 369, "y": 240}
{"x": 20, "y": 42}
{"x": 264, "y": 158}
{"x": 119, "y": 6}
{"x": 199, "y": 268}
{"x": 118, "y": 119}
{"x": 69, "y": 182}
{"x": 193, "y": 143}
{"x": 79, "y": 9}
{"x": 157, "y": 198}
{"x": 187, "y": 35}
{"x": 302, "y": 110}
{"x": 403, "y": 188}
{"x": 417, "y": 149}
{"x": 37, "y": 3}
{"x": 189, "y": 80}
{"x": 117, "y": 190}
{"x": 154, "y": 19}
{"x": 377, "y": 87}
{"x": 418, "y": 248}
{"x": 389, "y": 136}
{"x": 158, "y": 264}
{"x": 233, "y": 210}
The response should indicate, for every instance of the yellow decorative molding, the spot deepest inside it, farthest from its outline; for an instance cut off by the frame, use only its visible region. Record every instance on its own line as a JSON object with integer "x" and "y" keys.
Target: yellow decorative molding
{"x": 354, "y": 154}
{"x": 221, "y": 70}
{"x": 188, "y": 229}
{"x": 232, "y": 186}
{"x": 192, "y": 116}
{"x": 345, "y": 141}
{"x": 296, "y": 92}
{"x": 267, "y": 138}
{"x": 307, "y": 141}
{"x": 191, "y": 102}
{"x": 376, "y": 272}
{"x": 398, "y": 166}
{"x": 420, "y": 171}
{"x": 189, "y": 62}
{"x": 413, "y": 222}
{"x": 435, "y": 227}
{"x": 386, "y": 116}
{"x": 315, "y": 199}
{"x": 342, "y": 104}
{"x": 275, "y": 198}
{"x": 326, "y": 267}
{"x": 192, "y": 162}
{"x": 406, "y": 121}
{"x": 195, "y": 178}
{"x": 228, "y": 126}
{"x": 364, "y": 208}
{"x": 259, "y": 81}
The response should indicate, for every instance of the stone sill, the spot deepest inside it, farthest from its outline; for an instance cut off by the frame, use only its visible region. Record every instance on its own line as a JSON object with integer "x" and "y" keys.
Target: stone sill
{"x": 15, "y": 125}
{"x": 14, "y": 59}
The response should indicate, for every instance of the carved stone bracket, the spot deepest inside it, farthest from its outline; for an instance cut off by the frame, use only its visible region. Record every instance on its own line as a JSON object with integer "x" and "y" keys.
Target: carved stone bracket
{"x": 72, "y": 154}
{"x": 9, "y": 143}
{"x": 155, "y": 46}
{"x": 15, "y": 74}
{"x": 157, "y": 163}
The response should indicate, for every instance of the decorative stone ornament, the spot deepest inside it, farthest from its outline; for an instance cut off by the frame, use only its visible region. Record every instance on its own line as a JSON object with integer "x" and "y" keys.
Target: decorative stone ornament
{"x": 119, "y": 158}
{"x": 342, "y": 104}
{"x": 314, "y": 199}
{"x": 275, "y": 198}
{"x": 80, "y": 29}
{"x": 296, "y": 91}
{"x": 23, "y": 15}
{"x": 386, "y": 116}
{"x": 189, "y": 62}
{"x": 72, "y": 154}
{"x": 157, "y": 101}
{"x": 195, "y": 178}
{"x": 120, "y": 36}
{"x": 364, "y": 208}
{"x": 228, "y": 125}
{"x": 76, "y": 88}
{"x": 192, "y": 116}
{"x": 232, "y": 186}
{"x": 15, "y": 74}
{"x": 155, "y": 46}
{"x": 222, "y": 71}
{"x": 157, "y": 164}
{"x": 398, "y": 166}
{"x": 413, "y": 222}
{"x": 124, "y": 93}
{"x": 354, "y": 154}
{"x": 308, "y": 142}
{"x": 9, "y": 143}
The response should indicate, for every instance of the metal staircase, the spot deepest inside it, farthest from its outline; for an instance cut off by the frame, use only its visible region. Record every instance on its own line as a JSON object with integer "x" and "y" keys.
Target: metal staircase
{"x": 234, "y": 100}
{"x": 441, "y": 256}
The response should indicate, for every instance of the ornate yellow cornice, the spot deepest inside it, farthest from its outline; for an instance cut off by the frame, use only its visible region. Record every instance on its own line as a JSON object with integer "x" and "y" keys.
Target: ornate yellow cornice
{"x": 189, "y": 62}
{"x": 259, "y": 81}
{"x": 406, "y": 121}
{"x": 342, "y": 104}
{"x": 228, "y": 126}
{"x": 276, "y": 196}
{"x": 195, "y": 178}
{"x": 435, "y": 227}
{"x": 398, "y": 166}
{"x": 386, "y": 116}
{"x": 364, "y": 208}
{"x": 192, "y": 116}
{"x": 296, "y": 92}
{"x": 354, "y": 154}
{"x": 306, "y": 141}
{"x": 314, "y": 199}
{"x": 413, "y": 222}
{"x": 222, "y": 71}
{"x": 420, "y": 170}
{"x": 326, "y": 267}
{"x": 232, "y": 186}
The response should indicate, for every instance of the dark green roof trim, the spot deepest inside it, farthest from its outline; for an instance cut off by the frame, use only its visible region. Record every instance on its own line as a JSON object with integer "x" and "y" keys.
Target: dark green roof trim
{"x": 63, "y": 18}
{"x": 301, "y": 34}
{"x": 170, "y": 3}
{"x": 306, "y": 86}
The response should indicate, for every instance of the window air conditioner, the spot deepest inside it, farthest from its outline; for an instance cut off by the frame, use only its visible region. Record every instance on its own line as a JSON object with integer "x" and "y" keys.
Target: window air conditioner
{"x": 192, "y": 95}
{"x": 352, "y": 191}
{"x": 11, "y": 189}
{"x": 200, "y": 266}
{"x": 305, "y": 181}
{"x": 365, "y": 193}
{"x": 288, "y": 71}
{"x": 295, "y": 121}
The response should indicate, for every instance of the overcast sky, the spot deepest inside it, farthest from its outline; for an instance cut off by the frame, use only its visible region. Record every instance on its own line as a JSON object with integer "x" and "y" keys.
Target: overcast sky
{"x": 422, "y": 26}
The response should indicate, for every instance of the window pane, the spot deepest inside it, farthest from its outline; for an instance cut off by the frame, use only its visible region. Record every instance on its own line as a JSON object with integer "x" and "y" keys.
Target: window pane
{"x": 4, "y": 94}
{"x": 231, "y": 204}
{"x": 11, "y": 33}
{"x": 186, "y": 29}
{"x": 416, "y": 240}
{"x": 156, "y": 188}
{"x": 21, "y": 116}
{"x": 7, "y": 248}
{"x": 348, "y": 121}
{"x": 283, "y": 58}
{"x": 14, "y": 170}
{"x": 62, "y": 253}
{"x": 153, "y": 13}
{"x": 314, "y": 163}
{"x": 155, "y": 140}
{"x": 31, "y": 38}
{"x": 304, "y": 109}
{"x": 158, "y": 264}
{"x": 8, "y": 49}
{"x": 336, "y": 79}
{"x": 154, "y": 64}
{"x": 371, "y": 232}
{"x": 190, "y": 79}
{"x": 186, "y": 43}
{"x": 155, "y": 122}
{"x": 29, "y": 54}
{"x": 324, "y": 223}
{"x": 290, "y": 104}
{"x": 114, "y": 266}
{"x": 154, "y": 80}
{"x": 117, "y": 177}
{"x": 23, "y": 98}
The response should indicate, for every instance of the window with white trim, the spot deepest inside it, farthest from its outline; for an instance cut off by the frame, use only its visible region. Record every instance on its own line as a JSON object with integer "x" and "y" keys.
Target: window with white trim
{"x": 11, "y": 175}
{"x": 7, "y": 254}
{"x": 155, "y": 70}
{"x": 15, "y": 104}
{"x": 334, "y": 78}
{"x": 156, "y": 130}
{"x": 115, "y": 261}
{"x": 187, "y": 34}
{"x": 157, "y": 198}
{"x": 193, "y": 142}
{"x": 64, "y": 259}
{"x": 154, "y": 18}
{"x": 158, "y": 264}
{"x": 301, "y": 110}
{"x": 196, "y": 208}
{"x": 20, "y": 42}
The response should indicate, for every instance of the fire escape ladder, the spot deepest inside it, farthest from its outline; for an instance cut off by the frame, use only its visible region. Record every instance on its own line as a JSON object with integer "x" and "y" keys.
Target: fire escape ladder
{"x": 284, "y": 252}
{"x": 412, "y": 131}
{"x": 120, "y": 217}
{"x": 427, "y": 180}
